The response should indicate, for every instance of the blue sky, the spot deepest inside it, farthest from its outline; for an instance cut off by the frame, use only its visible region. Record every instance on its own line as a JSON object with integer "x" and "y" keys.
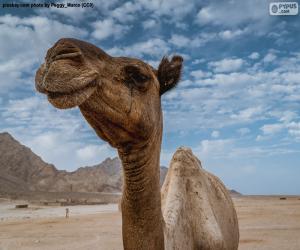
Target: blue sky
{"x": 237, "y": 105}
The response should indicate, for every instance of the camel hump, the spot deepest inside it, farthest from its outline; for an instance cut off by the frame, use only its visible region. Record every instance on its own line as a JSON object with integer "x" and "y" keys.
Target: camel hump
{"x": 186, "y": 159}
{"x": 196, "y": 206}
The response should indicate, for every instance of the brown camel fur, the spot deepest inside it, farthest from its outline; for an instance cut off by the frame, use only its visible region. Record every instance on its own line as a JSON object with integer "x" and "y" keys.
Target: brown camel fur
{"x": 121, "y": 99}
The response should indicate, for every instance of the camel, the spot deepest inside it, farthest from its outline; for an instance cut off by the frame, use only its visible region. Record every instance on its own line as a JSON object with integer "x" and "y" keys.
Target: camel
{"x": 197, "y": 208}
{"x": 120, "y": 98}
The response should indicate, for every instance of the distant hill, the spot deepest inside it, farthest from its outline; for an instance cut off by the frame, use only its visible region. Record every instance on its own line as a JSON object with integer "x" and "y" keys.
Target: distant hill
{"x": 235, "y": 193}
{"x": 22, "y": 170}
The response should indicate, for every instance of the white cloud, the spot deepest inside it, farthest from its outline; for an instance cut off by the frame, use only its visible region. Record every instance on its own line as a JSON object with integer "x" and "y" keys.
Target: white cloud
{"x": 291, "y": 77}
{"x": 36, "y": 113}
{"x": 288, "y": 116}
{"x": 11, "y": 73}
{"x": 198, "y": 61}
{"x": 215, "y": 134}
{"x": 179, "y": 40}
{"x": 203, "y": 38}
{"x": 126, "y": 12}
{"x": 66, "y": 152}
{"x": 200, "y": 74}
{"x": 254, "y": 55}
{"x": 270, "y": 57}
{"x": 271, "y": 128}
{"x": 234, "y": 13}
{"x": 93, "y": 153}
{"x": 215, "y": 148}
{"x": 108, "y": 28}
{"x": 281, "y": 88}
{"x": 292, "y": 127}
{"x": 248, "y": 114}
{"x": 205, "y": 15}
{"x": 230, "y": 79}
{"x": 174, "y": 9}
{"x": 154, "y": 47}
{"x": 232, "y": 149}
{"x": 227, "y": 65}
{"x": 45, "y": 141}
{"x": 150, "y": 23}
{"x": 231, "y": 34}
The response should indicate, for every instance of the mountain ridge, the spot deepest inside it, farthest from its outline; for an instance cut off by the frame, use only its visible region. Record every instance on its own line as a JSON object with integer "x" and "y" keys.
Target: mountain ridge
{"x": 22, "y": 170}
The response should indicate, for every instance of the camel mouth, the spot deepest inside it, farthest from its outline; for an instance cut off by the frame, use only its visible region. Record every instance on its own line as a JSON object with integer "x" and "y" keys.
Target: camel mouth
{"x": 71, "y": 99}
{"x": 57, "y": 95}
{"x": 58, "y": 79}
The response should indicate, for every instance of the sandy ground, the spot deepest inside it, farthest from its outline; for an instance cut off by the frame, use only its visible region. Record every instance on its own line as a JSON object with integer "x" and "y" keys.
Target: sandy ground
{"x": 265, "y": 223}
{"x": 269, "y": 223}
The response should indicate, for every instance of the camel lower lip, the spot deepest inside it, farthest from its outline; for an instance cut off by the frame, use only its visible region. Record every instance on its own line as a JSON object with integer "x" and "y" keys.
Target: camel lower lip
{"x": 55, "y": 95}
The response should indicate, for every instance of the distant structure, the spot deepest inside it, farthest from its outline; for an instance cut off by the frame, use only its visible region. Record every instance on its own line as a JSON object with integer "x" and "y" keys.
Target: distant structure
{"x": 67, "y": 212}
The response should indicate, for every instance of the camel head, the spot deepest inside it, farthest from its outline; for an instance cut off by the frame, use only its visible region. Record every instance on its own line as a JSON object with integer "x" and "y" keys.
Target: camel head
{"x": 118, "y": 96}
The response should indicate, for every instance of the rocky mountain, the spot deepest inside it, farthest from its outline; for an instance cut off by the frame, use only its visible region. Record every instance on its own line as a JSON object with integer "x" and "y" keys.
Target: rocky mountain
{"x": 22, "y": 170}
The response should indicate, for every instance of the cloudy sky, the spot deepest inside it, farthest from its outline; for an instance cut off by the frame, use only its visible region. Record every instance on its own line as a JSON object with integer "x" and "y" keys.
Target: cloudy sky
{"x": 237, "y": 106}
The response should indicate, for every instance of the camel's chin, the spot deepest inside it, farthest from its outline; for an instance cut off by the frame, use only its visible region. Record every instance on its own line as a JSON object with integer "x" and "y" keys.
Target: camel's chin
{"x": 66, "y": 100}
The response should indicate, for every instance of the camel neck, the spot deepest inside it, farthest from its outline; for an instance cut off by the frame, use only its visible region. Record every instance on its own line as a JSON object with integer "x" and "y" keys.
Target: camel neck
{"x": 141, "y": 201}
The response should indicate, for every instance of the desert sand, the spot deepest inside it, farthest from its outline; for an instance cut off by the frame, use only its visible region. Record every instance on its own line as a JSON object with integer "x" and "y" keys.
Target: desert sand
{"x": 266, "y": 222}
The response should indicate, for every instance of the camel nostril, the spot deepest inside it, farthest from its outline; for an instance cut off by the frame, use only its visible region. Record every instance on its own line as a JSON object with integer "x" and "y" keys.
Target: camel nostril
{"x": 63, "y": 52}
{"x": 73, "y": 55}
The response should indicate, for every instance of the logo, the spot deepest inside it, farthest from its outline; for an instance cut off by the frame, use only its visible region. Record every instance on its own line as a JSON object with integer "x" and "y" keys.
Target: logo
{"x": 274, "y": 8}
{"x": 283, "y": 9}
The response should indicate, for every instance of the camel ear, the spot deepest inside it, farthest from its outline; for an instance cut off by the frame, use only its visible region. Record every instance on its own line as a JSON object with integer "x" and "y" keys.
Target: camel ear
{"x": 169, "y": 73}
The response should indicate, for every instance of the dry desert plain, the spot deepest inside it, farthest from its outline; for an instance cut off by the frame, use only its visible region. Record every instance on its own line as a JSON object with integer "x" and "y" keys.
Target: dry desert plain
{"x": 266, "y": 222}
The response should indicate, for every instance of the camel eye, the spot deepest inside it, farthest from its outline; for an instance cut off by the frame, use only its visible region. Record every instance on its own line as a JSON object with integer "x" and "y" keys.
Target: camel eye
{"x": 134, "y": 76}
